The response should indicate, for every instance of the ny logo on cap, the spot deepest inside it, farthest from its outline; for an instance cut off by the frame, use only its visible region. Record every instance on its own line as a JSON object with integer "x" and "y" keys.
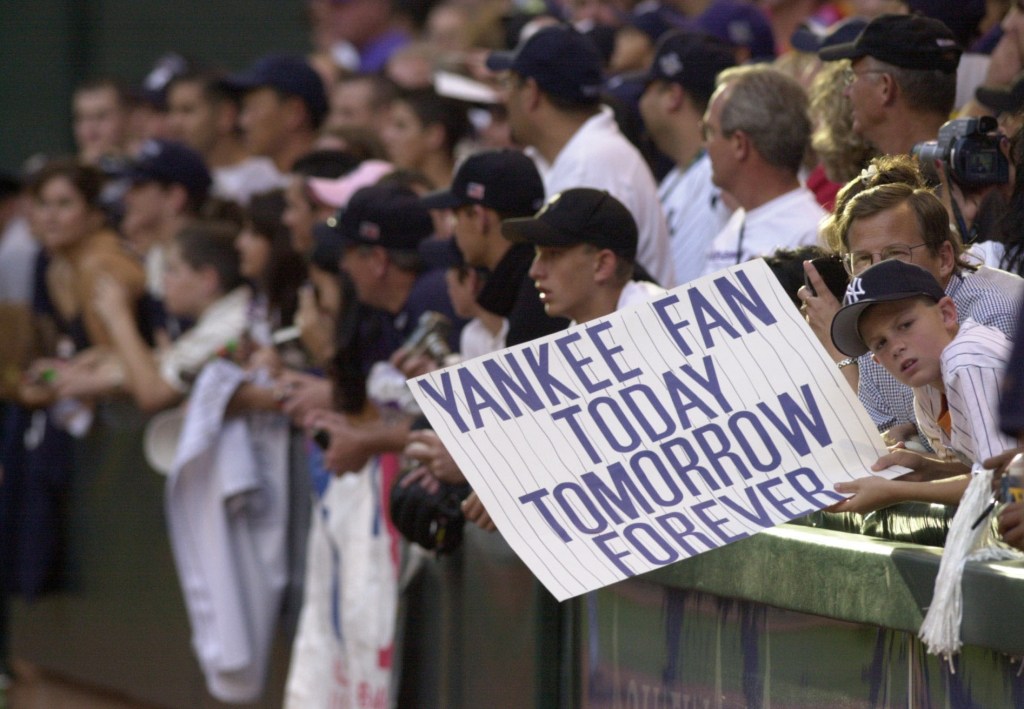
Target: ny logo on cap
{"x": 854, "y": 292}
{"x": 369, "y": 230}
{"x": 670, "y": 64}
{"x": 474, "y": 190}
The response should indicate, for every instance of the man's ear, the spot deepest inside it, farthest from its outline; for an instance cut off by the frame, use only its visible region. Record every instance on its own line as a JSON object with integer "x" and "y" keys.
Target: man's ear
{"x": 531, "y": 93}
{"x": 947, "y": 260}
{"x": 888, "y": 87}
{"x": 604, "y": 266}
{"x": 741, "y": 145}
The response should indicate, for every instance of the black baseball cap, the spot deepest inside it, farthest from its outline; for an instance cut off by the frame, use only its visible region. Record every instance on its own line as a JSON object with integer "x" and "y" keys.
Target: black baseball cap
{"x": 170, "y": 162}
{"x": 503, "y": 180}
{"x": 581, "y": 215}
{"x": 882, "y": 283}
{"x": 288, "y": 73}
{"x": 562, "y": 61}
{"x": 1003, "y": 99}
{"x": 692, "y": 60}
{"x": 907, "y": 41}
{"x": 386, "y": 215}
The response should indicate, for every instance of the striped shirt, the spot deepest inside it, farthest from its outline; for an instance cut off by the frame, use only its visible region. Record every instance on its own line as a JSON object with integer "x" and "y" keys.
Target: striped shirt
{"x": 972, "y": 373}
{"x": 988, "y": 296}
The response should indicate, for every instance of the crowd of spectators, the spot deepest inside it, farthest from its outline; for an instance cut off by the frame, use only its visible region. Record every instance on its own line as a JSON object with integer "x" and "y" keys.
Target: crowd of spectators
{"x": 467, "y": 175}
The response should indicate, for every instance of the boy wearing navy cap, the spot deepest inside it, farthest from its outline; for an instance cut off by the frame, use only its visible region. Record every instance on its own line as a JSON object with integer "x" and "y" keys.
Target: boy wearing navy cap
{"x": 585, "y": 242}
{"x": 899, "y": 313}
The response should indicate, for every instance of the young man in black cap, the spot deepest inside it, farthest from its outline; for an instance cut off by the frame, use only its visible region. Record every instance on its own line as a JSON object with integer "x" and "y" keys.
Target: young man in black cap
{"x": 900, "y": 314}
{"x": 283, "y": 105}
{"x": 553, "y": 99}
{"x": 488, "y": 188}
{"x": 585, "y": 245}
{"x": 679, "y": 86}
{"x": 902, "y": 83}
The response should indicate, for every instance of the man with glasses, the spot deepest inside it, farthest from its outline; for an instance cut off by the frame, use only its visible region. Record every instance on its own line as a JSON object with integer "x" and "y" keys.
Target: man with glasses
{"x": 902, "y": 83}
{"x": 910, "y": 224}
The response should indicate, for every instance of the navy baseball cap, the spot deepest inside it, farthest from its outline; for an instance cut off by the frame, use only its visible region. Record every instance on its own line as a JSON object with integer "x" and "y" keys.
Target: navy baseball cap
{"x": 171, "y": 163}
{"x": 581, "y": 215}
{"x": 692, "y": 60}
{"x": 1003, "y": 99}
{"x": 882, "y": 283}
{"x": 907, "y": 41}
{"x": 741, "y": 25}
{"x": 562, "y": 61}
{"x": 503, "y": 180}
{"x": 383, "y": 215}
{"x": 291, "y": 75}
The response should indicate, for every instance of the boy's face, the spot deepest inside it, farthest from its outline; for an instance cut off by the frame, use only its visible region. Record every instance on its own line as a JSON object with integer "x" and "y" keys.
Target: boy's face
{"x": 907, "y": 337}
{"x": 564, "y": 275}
{"x": 186, "y": 289}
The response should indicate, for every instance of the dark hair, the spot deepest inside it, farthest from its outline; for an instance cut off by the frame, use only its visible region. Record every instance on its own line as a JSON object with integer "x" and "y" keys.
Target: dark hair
{"x": 383, "y": 88}
{"x": 100, "y": 83}
{"x": 788, "y": 267}
{"x": 286, "y": 270}
{"x": 87, "y": 180}
{"x": 211, "y": 244}
{"x": 330, "y": 164}
{"x": 432, "y": 109}
{"x": 210, "y": 84}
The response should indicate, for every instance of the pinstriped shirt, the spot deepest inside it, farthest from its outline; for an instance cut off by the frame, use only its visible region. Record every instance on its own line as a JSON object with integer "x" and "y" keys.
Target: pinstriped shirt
{"x": 988, "y": 296}
{"x": 972, "y": 373}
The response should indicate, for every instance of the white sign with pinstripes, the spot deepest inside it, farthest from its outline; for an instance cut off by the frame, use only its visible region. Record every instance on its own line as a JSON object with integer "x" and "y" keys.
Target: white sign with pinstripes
{"x": 654, "y": 434}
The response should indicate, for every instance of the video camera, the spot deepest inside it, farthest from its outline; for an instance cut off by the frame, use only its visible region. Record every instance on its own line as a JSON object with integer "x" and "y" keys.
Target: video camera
{"x": 972, "y": 155}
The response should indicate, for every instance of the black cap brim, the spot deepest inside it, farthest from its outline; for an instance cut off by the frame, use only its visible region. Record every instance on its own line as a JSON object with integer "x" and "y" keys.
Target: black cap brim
{"x": 846, "y": 50}
{"x": 500, "y": 61}
{"x": 530, "y": 230}
{"x": 442, "y": 199}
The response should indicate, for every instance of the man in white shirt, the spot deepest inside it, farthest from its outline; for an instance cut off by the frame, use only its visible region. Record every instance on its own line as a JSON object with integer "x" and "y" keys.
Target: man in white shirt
{"x": 679, "y": 86}
{"x": 553, "y": 99}
{"x": 204, "y": 116}
{"x": 756, "y": 132}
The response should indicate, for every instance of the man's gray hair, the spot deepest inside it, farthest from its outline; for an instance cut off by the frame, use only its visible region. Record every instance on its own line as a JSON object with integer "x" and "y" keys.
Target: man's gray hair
{"x": 771, "y": 109}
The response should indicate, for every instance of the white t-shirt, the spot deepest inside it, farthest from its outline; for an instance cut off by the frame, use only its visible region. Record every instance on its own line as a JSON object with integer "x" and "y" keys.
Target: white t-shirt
{"x": 599, "y": 156}
{"x": 972, "y": 365}
{"x": 788, "y": 221}
{"x": 695, "y": 213}
{"x": 225, "y": 320}
{"x": 239, "y": 182}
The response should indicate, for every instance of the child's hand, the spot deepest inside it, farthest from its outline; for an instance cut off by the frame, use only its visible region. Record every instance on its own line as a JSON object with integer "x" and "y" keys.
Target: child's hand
{"x": 868, "y": 494}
